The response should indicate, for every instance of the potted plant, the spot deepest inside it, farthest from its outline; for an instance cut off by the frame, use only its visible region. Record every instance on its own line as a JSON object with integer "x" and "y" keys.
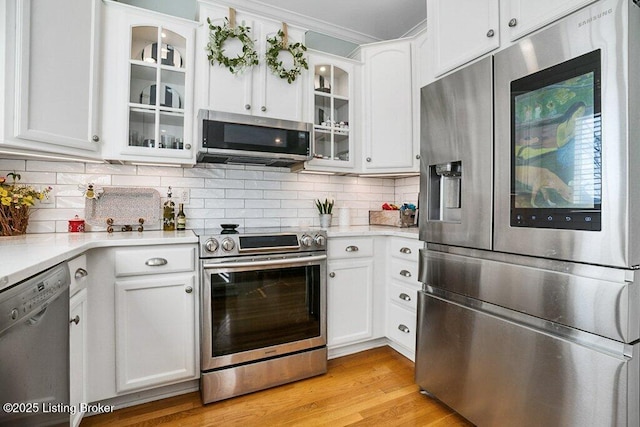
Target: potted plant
{"x": 15, "y": 204}
{"x": 325, "y": 210}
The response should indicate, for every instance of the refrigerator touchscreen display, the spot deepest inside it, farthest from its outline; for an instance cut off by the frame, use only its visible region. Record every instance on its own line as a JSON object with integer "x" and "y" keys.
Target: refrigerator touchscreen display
{"x": 556, "y": 179}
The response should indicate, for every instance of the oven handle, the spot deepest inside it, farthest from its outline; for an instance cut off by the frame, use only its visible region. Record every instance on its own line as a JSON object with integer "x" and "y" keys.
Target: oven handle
{"x": 288, "y": 261}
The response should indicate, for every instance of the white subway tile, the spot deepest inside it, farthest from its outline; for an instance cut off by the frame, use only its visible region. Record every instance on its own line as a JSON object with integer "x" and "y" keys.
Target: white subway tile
{"x": 202, "y": 193}
{"x": 280, "y": 213}
{"x": 337, "y": 179}
{"x": 11, "y": 165}
{"x": 296, "y": 186}
{"x": 360, "y": 188}
{"x": 136, "y": 181}
{"x": 262, "y": 204}
{"x": 262, "y": 222}
{"x": 70, "y": 202}
{"x": 83, "y": 179}
{"x": 175, "y": 181}
{"x": 262, "y": 185}
{"x": 280, "y": 176}
{"x": 204, "y": 173}
{"x": 109, "y": 169}
{"x": 26, "y": 177}
{"x": 224, "y": 183}
{"x": 307, "y": 177}
{"x": 244, "y": 174}
{"x": 41, "y": 226}
{"x": 225, "y": 203}
{"x": 296, "y": 204}
{"x": 41, "y": 166}
{"x": 159, "y": 171}
{"x": 331, "y": 188}
{"x": 243, "y": 194}
{"x": 55, "y": 214}
{"x": 280, "y": 194}
{"x": 207, "y": 213}
{"x": 244, "y": 213}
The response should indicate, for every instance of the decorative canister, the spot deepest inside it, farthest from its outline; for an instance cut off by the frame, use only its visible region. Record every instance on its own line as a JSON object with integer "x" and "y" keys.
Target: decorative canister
{"x": 76, "y": 225}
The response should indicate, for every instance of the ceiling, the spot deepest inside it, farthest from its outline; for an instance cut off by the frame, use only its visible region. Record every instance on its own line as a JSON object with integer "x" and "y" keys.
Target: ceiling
{"x": 354, "y": 21}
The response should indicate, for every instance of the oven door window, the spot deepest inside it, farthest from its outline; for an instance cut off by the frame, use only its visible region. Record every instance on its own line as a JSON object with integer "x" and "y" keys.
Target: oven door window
{"x": 262, "y": 308}
{"x": 556, "y": 176}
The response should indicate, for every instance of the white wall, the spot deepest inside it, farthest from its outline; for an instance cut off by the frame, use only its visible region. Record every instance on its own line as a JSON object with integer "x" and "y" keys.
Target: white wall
{"x": 249, "y": 196}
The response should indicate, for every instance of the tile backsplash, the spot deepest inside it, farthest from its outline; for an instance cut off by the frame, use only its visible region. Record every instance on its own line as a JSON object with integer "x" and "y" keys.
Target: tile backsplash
{"x": 246, "y": 195}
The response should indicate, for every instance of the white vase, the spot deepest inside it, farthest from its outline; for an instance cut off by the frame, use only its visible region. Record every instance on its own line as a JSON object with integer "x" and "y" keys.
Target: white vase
{"x": 325, "y": 221}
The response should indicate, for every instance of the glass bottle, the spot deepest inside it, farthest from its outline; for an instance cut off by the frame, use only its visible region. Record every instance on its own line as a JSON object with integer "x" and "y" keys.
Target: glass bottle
{"x": 181, "y": 219}
{"x": 168, "y": 213}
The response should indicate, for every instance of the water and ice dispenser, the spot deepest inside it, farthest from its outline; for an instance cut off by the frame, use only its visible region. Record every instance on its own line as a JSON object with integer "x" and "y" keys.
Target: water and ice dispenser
{"x": 445, "y": 191}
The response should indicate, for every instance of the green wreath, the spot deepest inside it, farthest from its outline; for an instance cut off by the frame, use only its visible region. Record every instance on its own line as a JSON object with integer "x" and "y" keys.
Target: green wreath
{"x": 297, "y": 50}
{"x": 215, "y": 48}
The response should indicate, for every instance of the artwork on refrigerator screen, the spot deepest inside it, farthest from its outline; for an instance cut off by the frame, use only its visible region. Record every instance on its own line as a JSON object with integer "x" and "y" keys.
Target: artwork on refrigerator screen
{"x": 557, "y": 146}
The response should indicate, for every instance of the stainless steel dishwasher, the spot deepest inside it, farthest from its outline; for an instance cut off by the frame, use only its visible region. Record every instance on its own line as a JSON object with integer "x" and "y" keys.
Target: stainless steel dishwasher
{"x": 34, "y": 350}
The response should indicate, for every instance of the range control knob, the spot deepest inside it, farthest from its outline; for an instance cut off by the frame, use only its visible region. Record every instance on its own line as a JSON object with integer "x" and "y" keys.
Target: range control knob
{"x": 211, "y": 245}
{"x": 228, "y": 244}
{"x": 306, "y": 240}
{"x": 319, "y": 240}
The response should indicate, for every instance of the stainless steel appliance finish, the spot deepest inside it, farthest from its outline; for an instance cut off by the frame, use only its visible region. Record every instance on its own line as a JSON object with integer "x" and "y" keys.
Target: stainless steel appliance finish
{"x": 248, "y": 139}
{"x": 464, "y": 119}
{"x": 612, "y": 26}
{"x": 34, "y": 349}
{"x": 263, "y": 317}
{"x": 540, "y": 326}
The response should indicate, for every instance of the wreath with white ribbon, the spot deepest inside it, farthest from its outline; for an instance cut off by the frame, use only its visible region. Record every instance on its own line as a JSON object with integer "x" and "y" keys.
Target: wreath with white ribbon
{"x": 275, "y": 46}
{"x": 215, "y": 48}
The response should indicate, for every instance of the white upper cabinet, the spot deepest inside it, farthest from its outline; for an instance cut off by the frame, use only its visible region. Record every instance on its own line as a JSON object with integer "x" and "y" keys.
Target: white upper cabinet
{"x": 524, "y": 16}
{"x": 51, "y": 86}
{"x": 332, "y": 102}
{"x": 462, "y": 30}
{"x": 387, "y": 105}
{"x": 149, "y": 81}
{"x": 255, "y": 90}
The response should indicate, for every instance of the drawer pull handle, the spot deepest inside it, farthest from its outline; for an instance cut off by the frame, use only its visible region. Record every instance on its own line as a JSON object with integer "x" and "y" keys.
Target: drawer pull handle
{"x": 405, "y": 250}
{"x": 189, "y": 289}
{"x": 156, "y": 262}
{"x": 403, "y": 328}
{"x": 332, "y": 274}
{"x": 405, "y": 273}
{"x": 404, "y": 297}
{"x": 352, "y": 249}
{"x": 80, "y": 273}
{"x": 75, "y": 320}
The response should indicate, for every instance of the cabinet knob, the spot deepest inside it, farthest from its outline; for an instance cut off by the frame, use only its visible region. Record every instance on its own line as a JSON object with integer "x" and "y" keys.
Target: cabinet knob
{"x": 418, "y": 156}
{"x": 405, "y": 250}
{"x": 513, "y": 22}
{"x": 352, "y": 249}
{"x": 332, "y": 274}
{"x": 491, "y": 33}
{"x": 368, "y": 159}
{"x": 75, "y": 320}
{"x": 263, "y": 108}
{"x": 95, "y": 138}
{"x": 404, "y": 297}
{"x": 247, "y": 106}
{"x": 155, "y": 262}
{"x": 403, "y": 328}
{"x": 187, "y": 146}
{"x": 189, "y": 289}
{"x": 405, "y": 273}
{"x": 80, "y": 273}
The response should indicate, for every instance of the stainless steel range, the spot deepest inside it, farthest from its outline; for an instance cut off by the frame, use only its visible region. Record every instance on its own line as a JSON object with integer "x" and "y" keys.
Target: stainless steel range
{"x": 263, "y": 314}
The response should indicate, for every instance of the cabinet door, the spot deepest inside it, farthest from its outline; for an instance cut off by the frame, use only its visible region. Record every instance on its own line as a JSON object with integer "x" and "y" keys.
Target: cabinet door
{"x": 78, "y": 353}
{"x": 155, "y": 331}
{"x": 523, "y": 17}
{"x": 56, "y": 72}
{"x": 349, "y": 301}
{"x": 463, "y": 30}
{"x": 388, "y": 138}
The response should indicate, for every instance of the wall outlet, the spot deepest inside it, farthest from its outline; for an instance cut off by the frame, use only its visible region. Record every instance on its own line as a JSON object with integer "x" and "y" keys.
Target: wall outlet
{"x": 184, "y": 196}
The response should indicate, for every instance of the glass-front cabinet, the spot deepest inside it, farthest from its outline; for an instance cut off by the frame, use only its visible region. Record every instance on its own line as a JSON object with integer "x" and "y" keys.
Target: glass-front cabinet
{"x": 157, "y": 125}
{"x": 332, "y": 112}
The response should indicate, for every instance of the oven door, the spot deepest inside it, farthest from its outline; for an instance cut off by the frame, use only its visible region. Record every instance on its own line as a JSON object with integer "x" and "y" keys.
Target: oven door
{"x": 261, "y": 307}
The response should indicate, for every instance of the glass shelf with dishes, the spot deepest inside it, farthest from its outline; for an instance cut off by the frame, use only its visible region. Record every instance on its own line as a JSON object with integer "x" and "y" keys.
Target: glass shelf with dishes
{"x": 332, "y": 140}
{"x": 157, "y": 88}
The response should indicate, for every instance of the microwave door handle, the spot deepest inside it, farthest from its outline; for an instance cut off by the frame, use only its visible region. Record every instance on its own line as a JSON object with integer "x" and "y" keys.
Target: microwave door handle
{"x": 265, "y": 263}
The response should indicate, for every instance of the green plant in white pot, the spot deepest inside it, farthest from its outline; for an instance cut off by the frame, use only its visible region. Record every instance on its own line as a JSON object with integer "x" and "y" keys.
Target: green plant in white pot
{"x": 325, "y": 210}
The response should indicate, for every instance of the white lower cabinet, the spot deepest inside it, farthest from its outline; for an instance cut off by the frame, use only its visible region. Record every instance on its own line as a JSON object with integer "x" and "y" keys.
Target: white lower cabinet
{"x": 78, "y": 330}
{"x": 155, "y": 325}
{"x": 77, "y": 353}
{"x": 349, "y": 301}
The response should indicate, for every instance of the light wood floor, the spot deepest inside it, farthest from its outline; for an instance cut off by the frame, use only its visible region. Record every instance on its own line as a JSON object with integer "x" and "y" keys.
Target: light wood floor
{"x": 371, "y": 388}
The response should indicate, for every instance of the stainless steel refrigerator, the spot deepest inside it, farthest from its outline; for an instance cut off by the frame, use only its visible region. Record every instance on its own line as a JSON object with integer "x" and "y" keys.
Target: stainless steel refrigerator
{"x": 530, "y": 193}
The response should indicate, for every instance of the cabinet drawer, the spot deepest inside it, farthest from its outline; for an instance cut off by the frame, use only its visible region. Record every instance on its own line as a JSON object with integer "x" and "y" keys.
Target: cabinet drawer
{"x": 79, "y": 275}
{"x": 154, "y": 260}
{"x": 405, "y": 248}
{"x": 352, "y": 247}
{"x": 405, "y": 296}
{"x": 401, "y": 326}
{"x": 404, "y": 271}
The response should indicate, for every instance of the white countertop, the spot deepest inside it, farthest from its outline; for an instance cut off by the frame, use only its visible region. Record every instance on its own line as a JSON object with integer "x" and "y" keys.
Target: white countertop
{"x": 26, "y": 255}
{"x": 376, "y": 230}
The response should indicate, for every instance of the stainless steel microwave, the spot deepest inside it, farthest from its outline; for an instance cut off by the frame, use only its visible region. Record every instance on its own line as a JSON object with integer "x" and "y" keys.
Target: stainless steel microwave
{"x": 245, "y": 139}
